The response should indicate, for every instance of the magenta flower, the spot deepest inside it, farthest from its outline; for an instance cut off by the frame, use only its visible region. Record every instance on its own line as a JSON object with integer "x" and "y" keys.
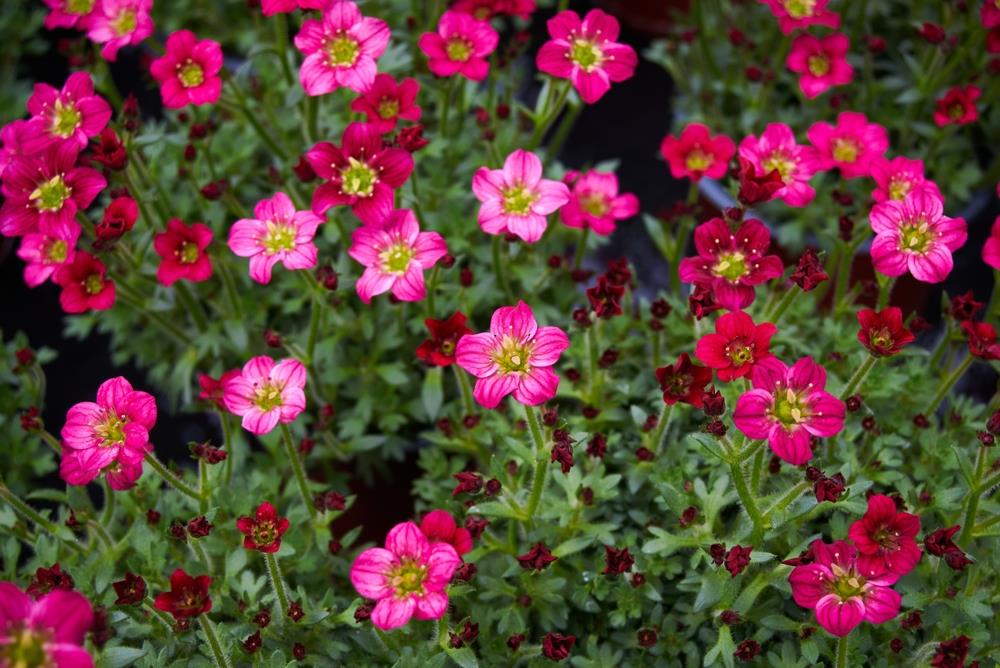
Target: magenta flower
{"x": 731, "y": 263}
{"x": 515, "y": 356}
{"x": 484, "y": 10}
{"x": 736, "y": 345}
{"x": 189, "y": 71}
{"x": 182, "y": 253}
{"x": 820, "y": 63}
{"x": 841, "y": 595}
{"x": 460, "y": 46}
{"x": 777, "y": 149}
{"x": 794, "y": 15}
{"x": 272, "y": 7}
{"x": 408, "y": 577}
{"x": 106, "y": 436}
{"x": 696, "y": 153}
{"x": 787, "y": 405}
{"x": 45, "y": 191}
{"x": 46, "y": 632}
{"x": 74, "y": 113}
{"x": 991, "y": 249}
{"x": 43, "y": 254}
{"x": 852, "y": 145}
{"x": 340, "y": 49}
{"x": 265, "y": 393}
{"x": 439, "y": 527}
{"x": 69, "y": 14}
{"x": 120, "y": 23}
{"x": 897, "y": 177}
{"x": 13, "y": 138}
{"x": 85, "y": 284}
{"x": 886, "y": 540}
{"x": 277, "y": 233}
{"x": 914, "y": 235}
{"x": 386, "y": 102}
{"x": 362, "y": 173}
{"x": 586, "y": 52}
{"x": 395, "y": 256}
{"x": 595, "y": 202}
{"x": 517, "y": 199}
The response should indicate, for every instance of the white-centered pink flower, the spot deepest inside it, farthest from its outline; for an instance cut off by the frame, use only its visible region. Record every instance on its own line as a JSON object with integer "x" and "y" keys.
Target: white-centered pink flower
{"x": 517, "y": 199}
{"x": 515, "y": 356}
{"x": 395, "y": 256}
{"x": 277, "y": 233}
{"x": 914, "y": 235}
{"x": 596, "y": 203}
{"x": 266, "y": 393}
{"x": 777, "y": 149}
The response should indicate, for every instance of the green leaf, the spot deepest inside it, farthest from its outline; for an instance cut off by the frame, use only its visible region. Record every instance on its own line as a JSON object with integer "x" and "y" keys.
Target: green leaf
{"x": 572, "y": 546}
{"x": 464, "y": 657}
{"x": 432, "y": 394}
{"x": 119, "y": 657}
{"x": 392, "y": 373}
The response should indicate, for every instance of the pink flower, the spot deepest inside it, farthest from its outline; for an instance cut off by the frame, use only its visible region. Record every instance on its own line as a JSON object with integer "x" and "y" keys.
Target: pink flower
{"x": 516, "y": 355}
{"x": 266, "y": 393}
{"x": 914, "y": 235}
{"x": 460, "y": 46}
{"x": 340, "y": 49}
{"x": 991, "y": 249}
{"x": 362, "y": 173}
{"x": 958, "y": 106}
{"x": 897, "y": 177}
{"x": 107, "y": 435}
{"x": 278, "y": 233}
{"x": 595, "y": 202}
{"x": 69, "y": 14}
{"x": 84, "y": 284}
{"x": 586, "y": 52}
{"x": 842, "y": 597}
{"x": 736, "y": 346}
{"x": 439, "y": 527}
{"x": 820, "y": 63}
{"x": 697, "y": 153}
{"x": 386, "y": 102}
{"x": 777, "y": 149}
{"x": 793, "y": 15}
{"x": 731, "y": 263}
{"x": 886, "y": 540}
{"x": 44, "y": 254}
{"x": 45, "y": 191}
{"x": 852, "y": 145}
{"x": 787, "y": 405}
{"x": 989, "y": 14}
{"x": 119, "y": 23}
{"x": 272, "y": 7}
{"x": 46, "y": 632}
{"x": 484, "y": 10}
{"x": 395, "y": 256}
{"x": 189, "y": 71}
{"x": 13, "y": 137}
{"x": 74, "y": 113}
{"x": 517, "y": 199}
{"x": 408, "y": 577}
{"x": 182, "y": 252}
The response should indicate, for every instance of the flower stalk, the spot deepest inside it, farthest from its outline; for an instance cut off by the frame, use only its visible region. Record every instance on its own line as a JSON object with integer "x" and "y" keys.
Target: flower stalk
{"x": 171, "y": 479}
{"x": 274, "y": 575}
{"x": 220, "y": 658}
{"x": 541, "y": 463}
{"x": 300, "y": 476}
{"x": 858, "y": 377}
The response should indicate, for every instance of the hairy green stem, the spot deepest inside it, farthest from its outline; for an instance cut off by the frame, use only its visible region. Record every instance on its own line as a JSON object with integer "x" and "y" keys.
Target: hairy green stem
{"x": 541, "y": 463}
{"x": 218, "y": 655}
{"x": 947, "y": 384}
{"x": 842, "y": 651}
{"x": 975, "y": 493}
{"x": 463, "y": 384}
{"x": 300, "y": 475}
{"x": 661, "y": 428}
{"x": 859, "y": 376}
{"x": 274, "y": 574}
{"x": 747, "y": 499}
{"x": 32, "y": 515}
{"x": 172, "y": 479}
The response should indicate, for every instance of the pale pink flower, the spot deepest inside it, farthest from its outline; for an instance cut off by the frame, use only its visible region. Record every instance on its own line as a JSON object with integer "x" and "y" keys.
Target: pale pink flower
{"x": 834, "y": 586}
{"x": 48, "y": 632}
{"x": 110, "y": 436}
{"x": 460, "y": 45}
{"x": 70, "y": 14}
{"x": 914, "y": 235}
{"x": 794, "y": 15}
{"x": 515, "y": 356}
{"x": 265, "y": 393}
{"x": 74, "y": 113}
{"x": 820, "y": 63}
{"x": 787, "y": 406}
{"x": 897, "y": 177}
{"x": 586, "y": 52}
{"x": 188, "y": 72}
{"x": 991, "y": 249}
{"x": 595, "y": 202}
{"x": 43, "y": 254}
{"x": 120, "y": 23}
{"x": 277, "y": 233}
{"x": 517, "y": 199}
{"x": 852, "y": 145}
{"x": 777, "y": 149}
{"x": 341, "y": 49}
{"x": 395, "y": 255}
{"x": 407, "y": 578}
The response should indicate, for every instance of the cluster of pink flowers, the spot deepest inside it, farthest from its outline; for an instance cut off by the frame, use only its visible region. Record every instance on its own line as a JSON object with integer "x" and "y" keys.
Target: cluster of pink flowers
{"x": 113, "y": 24}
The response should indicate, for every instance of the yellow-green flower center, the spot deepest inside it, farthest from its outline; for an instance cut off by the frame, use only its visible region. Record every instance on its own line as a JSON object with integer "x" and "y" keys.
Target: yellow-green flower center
{"x": 880, "y": 337}
{"x": 800, "y": 9}
{"x": 517, "y": 200}
{"x": 458, "y": 49}
{"x": 264, "y": 532}
{"x": 56, "y": 251}
{"x": 899, "y": 188}
{"x": 396, "y": 258}
{"x": 343, "y": 50}
{"x": 513, "y": 356}
{"x": 697, "y": 160}
{"x": 51, "y": 195}
{"x": 79, "y": 6}
{"x": 191, "y": 74}
{"x": 112, "y": 429}
{"x": 730, "y": 266}
{"x": 916, "y": 236}
{"x": 408, "y": 579}
{"x": 65, "y": 119}
{"x": 595, "y": 204}
{"x": 819, "y": 65}
{"x": 739, "y": 353}
{"x": 388, "y": 107}
{"x": 93, "y": 284}
{"x": 586, "y": 54}
{"x": 279, "y": 237}
{"x": 789, "y": 408}
{"x": 267, "y": 397}
{"x": 846, "y": 583}
{"x": 358, "y": 179}
{"x": 125, "y": 22}
{"x": 845, "y": 150}
{"x": 780, "y": 161}
{"x": 188, "y": 252}
{"x": 25, "y": 649}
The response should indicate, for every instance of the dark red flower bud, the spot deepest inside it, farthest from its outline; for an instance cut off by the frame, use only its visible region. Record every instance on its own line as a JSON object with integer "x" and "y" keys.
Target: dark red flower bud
{"x": 514, "y": 641}
{"x": 597, "y": 445}
{"x": 475, "y": 526}
{"x": 932, "y": 33}
{"x": 853, "y": 403}
{"x": 747, "y": 650}
{"x": 152, "y": 517}
{"x": 295, "y": 612}
{"x": 363, "y": 612}
{"x": 688, "y": 516}
{"x": 753, "y": 73}
{"x": 537, "y": 558}
{"x": 952, "y": 653}
{"x": 298, "y": 651}
{"x": 29, "y": 419}
{"x": 492, "y": 487}
{"x": 465, "y": 277}
{"x": 411, "y": 139}
{"x": 262, "y": 618}
{"x": 755, "y": 187}
{"x": 644, "y": 454}
{"x": 737, "y": 559}
{"x": 587, "y": 496}
{"x": 131, "y": 590}
{"x": 617, "y": 561}
{"x": 199, "y": 527}
{"x": 808, "y": 272}
{"x": 465, "y": 572}
{"x": 469, "y": 482}
{"x": 557, "y": 647}
{"x": 646, "y": 637}
{"x": 912, "y": 621}
{"x": 717, "y": 552}
{"x": 713, "y": 404}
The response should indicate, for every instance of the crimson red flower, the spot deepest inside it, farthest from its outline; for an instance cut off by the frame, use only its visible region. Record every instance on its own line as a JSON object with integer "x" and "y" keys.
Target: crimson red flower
{"x": 537, "y": 558}
{"x": 736, "y": 345}
{"x": 755, "y": 187}
{"x": 747, "y": 650}
{"x": 939, "y": 543}
{"x": 604, "y": 298}
{"x": 411, "y": 139}
{"x": 684, "y": 381}
{"x": 183, "y": 252}
{"x": 199, "y": 527}
{"x": 952, "y": 653}
{"x": 737, "y": 559}
{"x": 982, "y": 340}
{"x": 119, "y": 217}
{"x": 439, "y": 350}
{"x": 701, "y": 301}
{"x": 932, "y": 33}
{"x": 439, "y": 527}
{"x": 188, "y": 596}
{"x": 556, "y": 646}
{"x": 212, "y": 389}
{"x": 809, "y": 272}
{"x": 263, "y": 531}
{"x": 886, "y": 540}
{"x": 84, "y": 284}
{"x": 882, "y": 332}
{"x": 131, "y": 590}
{"x": 617, "y": 561}
{"x": 965, "y": 306}
{"x": 47, "y": 580}
{"x": 386, "y": 101}
{"x": 109, "y": 151}
{"x": 958, "y": 106}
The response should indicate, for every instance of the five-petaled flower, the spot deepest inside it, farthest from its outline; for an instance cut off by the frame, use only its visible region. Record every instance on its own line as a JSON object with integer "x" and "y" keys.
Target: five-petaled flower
{"x": 886, "y": 540}
{"x": 820, "y": 63}
{"x": 439, "y": 527}
{"x": 595, "y": 203}
{"x": 882, "y": 332}
{"x": 263, "y": 531}
{"x": 852, "y": 145}
{"x": 74, "y": 113}
{"x": 182, "y": 249}
{"x": 460, "y": 45}
{"x": 439, "y": 350}
{"x": 795, "y": 15}
{"x": 276, "y": 233}
{"x": 266, "y": 393}
{"x": 188, "y": 596}
{"x": 776, "y": 149}
{"x": 696, "y": 153}
{"x": 188, "y": 72}
{"x": 684, "y": 381}
{"x": 737, "y": 344}
{"x": 119, "y": 23}
{"x": 387, "y": 101}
